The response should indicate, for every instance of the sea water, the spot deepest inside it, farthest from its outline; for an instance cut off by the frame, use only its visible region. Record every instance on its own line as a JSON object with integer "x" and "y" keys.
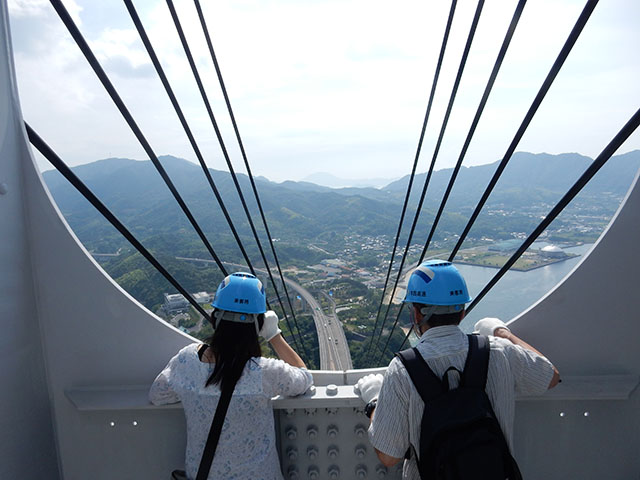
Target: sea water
{"x": 515, "y": 291}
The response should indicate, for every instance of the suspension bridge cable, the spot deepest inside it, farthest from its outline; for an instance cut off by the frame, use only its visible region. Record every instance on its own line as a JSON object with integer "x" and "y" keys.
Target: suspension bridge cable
{"x": 205, "y": 29}
{"x": 476, "y": 120}
{"x": 443, "y": 127}
{"x": 165, "y": 82}
{"x": 102, "y": 76}
{"x": 67, "y": 173}
{"x": 571, "y": 40}
{"x": 205, "y": 99}
{"x": 494, "y": 73}
{"x": 564, "y": 53}
{"x": 605, "y": 155}
{"x": 434, "y": 84}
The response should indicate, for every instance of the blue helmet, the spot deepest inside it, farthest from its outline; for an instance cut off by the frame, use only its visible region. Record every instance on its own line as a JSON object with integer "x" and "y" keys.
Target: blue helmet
{"x": 437, "y": 282}
{"x": 241, "y": 293}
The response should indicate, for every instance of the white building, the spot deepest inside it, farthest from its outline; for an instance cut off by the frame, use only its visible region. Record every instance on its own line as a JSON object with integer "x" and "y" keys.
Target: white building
{"x": 203, "y": 297}
{"x": 552, "y": 251}
{"x": 175, "y": 302}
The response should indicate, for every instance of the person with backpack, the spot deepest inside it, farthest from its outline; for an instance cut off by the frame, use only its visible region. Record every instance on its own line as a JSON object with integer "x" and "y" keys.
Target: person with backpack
{"x": 226, "y": 385}
{"x": 447, "y": 405}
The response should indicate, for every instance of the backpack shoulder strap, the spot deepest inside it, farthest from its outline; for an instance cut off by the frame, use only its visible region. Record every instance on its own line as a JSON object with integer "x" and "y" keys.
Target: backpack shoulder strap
{"x": 214, "y": 432}
{"x": 476, "y": 366}
{"x": 426, "y": 382}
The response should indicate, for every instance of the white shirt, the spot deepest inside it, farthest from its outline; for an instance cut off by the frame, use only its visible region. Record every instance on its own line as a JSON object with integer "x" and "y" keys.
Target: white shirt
{"x": 247, "y": 446}
{"x": 397, "y": 418}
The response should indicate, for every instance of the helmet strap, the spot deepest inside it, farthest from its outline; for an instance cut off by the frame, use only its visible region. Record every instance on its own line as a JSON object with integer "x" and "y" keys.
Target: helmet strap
{"x": 216, "y": 316}
{"x": 428, "y": 310}
{"x": 426, "y": 315}
{"x": 234, "y": 317}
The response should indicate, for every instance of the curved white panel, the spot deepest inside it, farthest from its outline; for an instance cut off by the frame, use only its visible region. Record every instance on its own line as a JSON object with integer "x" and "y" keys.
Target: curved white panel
{"x": 68, "y": 326}
{"x": 588, "y": 324}
{"x": 25, "y": 413}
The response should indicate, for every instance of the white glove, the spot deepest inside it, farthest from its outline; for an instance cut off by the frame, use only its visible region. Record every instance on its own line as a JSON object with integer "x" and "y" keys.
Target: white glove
{"x": 488, "y": 325}
{"x": 368, "y": 387}
{"x": 270, "y": 326}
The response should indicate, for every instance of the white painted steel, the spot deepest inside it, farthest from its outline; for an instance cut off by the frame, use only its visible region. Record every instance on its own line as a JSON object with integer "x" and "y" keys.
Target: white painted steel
{"x": 25, "y": 412}
{"x": 588, "y": 325}
{"x": 67, "y": 328}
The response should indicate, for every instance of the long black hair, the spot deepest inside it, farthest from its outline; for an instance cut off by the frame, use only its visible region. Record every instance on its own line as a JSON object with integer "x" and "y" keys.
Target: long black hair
{"x": 233, "y": 345}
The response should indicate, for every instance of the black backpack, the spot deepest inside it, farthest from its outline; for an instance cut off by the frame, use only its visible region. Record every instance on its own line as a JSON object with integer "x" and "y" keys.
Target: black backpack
{"x": 460, "y": 437}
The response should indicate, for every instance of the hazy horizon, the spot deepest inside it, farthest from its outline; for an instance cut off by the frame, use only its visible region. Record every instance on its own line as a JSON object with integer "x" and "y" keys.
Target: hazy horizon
{"x": 307, "y": 178}
{"x": 351, "y": 103}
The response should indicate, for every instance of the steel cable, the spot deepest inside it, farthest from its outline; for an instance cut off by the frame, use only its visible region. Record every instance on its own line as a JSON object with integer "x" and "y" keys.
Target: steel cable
{"x": 573, "y": 191}
{"x": 445, "y": 121}
{"x": 102, "y": 76}
{"x": 564, "y": 53}
{"x": 434, "y": 84}
{"x": 205, "y": 29}
{"x": 588, "y": 174}
{"x": 67, "y": 173}
{"x": 165, "y": 82}
{"x": 234, "y": 177}
{"x": 485, "y": 97}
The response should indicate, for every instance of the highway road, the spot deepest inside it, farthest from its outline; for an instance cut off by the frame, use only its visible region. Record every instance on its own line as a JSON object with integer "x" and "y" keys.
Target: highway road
{"x": 334, "y": 350}
{"x": 338, "y": 337}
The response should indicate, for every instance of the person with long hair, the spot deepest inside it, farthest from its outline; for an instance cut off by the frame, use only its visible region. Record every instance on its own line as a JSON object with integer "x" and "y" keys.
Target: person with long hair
{"x": 232, "y": 358}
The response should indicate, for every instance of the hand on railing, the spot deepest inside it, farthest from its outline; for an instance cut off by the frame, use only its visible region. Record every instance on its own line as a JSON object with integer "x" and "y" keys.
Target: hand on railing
{"x": 368, "y": 387}
{"x": 489, "y": 325}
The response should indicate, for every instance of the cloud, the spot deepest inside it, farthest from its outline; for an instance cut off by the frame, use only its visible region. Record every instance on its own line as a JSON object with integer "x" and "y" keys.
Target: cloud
{"x": 343, "y": 83}
{"x": 39, "y": 8}
{"x": 27, "y": 8}
{"x": 120, "y": 52}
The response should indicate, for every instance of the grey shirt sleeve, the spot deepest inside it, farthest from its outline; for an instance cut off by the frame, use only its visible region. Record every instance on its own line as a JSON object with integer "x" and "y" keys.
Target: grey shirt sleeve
{"x": 532, "y": 372}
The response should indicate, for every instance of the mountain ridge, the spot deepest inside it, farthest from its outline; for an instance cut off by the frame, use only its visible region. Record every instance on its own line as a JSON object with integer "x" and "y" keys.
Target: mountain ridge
{"x": 302, "y": 212}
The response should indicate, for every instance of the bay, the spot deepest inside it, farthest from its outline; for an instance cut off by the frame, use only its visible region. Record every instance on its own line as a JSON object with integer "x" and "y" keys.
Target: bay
{"x": 515, "y": 291}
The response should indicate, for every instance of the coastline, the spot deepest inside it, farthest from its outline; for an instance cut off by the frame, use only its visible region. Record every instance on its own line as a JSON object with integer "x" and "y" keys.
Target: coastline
{"x": 514, "y": 268}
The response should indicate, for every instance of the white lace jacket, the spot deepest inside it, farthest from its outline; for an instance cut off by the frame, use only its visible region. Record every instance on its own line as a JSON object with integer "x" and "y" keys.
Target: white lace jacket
{"x": 247, "y": 447}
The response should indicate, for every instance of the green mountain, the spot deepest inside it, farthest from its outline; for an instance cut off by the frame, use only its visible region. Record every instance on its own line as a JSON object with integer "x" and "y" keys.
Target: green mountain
{"x": 527, "y": 178}
{"x": 300, "y": 213}
{"x": 303, "y": 216}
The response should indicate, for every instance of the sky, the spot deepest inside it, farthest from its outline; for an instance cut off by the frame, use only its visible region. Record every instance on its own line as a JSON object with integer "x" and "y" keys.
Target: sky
{"x": 337, "y": 86}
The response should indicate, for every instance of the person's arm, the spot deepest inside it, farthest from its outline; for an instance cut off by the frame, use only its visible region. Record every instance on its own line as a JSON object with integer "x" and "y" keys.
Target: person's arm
{"x": 285, "y": 352}
{"x": 497, "y": 328}
{"x": 513, "y": 338}
{"x": 289, "y": 375}
{"x": 388, "y": 433}
{"x": 368, "y": 389}
{"x": 386, "y": 460}
{"x": 161, "y": 392}
{"x": 272, "y": 334}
